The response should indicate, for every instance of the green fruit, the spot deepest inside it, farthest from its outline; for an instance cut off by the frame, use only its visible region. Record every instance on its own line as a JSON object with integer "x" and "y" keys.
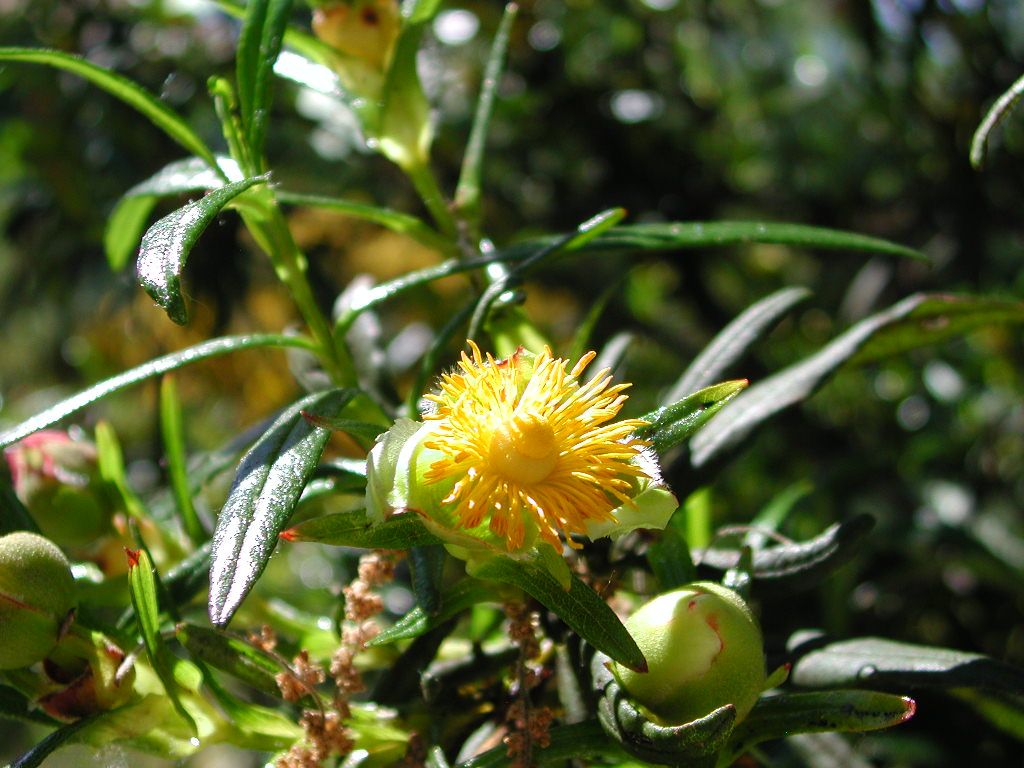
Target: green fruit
{"x": 37, "y": 591}
{"x": 703, "y": 649}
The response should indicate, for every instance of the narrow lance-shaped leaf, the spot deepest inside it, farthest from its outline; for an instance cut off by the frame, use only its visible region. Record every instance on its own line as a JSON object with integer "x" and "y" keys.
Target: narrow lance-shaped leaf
{"x": 879, "y": 663}
{"x": 580, "y": 607}
{"x": 127, "y": 221}
{"x": 916, "y": 320}
{"x": 121, "y": 87}
{"x": 797, "y": 566}
{"x": 775, "y": 717}
{"x": 674, "y": 423}
{"x": 462, "y": 596}
{"x": 355, "y": 529}
{"x": 702, "y": 234}
{"x": 166, "y": 245}
{"x": 143, "y": 588}
{"x": 258, "y": 47}
{"x": 172, "y": 431}
{"x": 712, "y": 362}
{"x": 266, "y": 489}
{"x": 995, "y": 115}
{"x": 156, "y": 367}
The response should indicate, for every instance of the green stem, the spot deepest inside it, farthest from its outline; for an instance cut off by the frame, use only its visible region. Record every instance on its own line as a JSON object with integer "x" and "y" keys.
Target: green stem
{"x": 429, "y": 191}
{"x": 270, "y": 229}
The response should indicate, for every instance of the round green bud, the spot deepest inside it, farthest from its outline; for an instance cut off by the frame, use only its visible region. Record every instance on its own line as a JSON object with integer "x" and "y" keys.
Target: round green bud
{"x": 704, "y": 650}
{"x": 37, "y": 591}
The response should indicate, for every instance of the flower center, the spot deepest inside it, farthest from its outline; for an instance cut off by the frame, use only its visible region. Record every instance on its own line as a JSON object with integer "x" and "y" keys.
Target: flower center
{"x": 523, "y": 449}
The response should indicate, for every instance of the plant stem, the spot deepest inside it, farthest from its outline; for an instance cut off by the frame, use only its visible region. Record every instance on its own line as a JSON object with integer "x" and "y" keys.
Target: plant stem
{"x": 268, "y": 226}
{"x": 429, "y": 191}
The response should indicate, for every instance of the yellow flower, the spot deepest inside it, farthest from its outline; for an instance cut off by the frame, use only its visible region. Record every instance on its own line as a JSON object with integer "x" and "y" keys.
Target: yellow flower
{"x": 532, "y": 449}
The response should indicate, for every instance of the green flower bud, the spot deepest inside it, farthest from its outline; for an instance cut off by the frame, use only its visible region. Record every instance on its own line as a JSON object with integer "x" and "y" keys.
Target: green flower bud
{"x": 704, "y": 650}
{"x": 37, "y": 592}
{"x": 57, "y": 479}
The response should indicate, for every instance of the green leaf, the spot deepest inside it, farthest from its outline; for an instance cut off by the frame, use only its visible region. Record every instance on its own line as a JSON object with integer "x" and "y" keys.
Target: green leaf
{"x": 396, "y": 221}
{"x": 672, "y": 424}
{"x": 231, "y": 655}
{"x": 875, "y": 662}
{"x": 426, "y": 564}
{"x": 166, "y": 245}
{"x": 669, "y": 557}
{"x": 727, "y": 346}
{"x": 915, "y": 321}
{"x": 267, "y": 486}
{"x": 172, "y": 431}
{"x": 124, "y": 228}
{"x": 937, "y": 318}
{"x": 578, "y": 741}
{"x": 462, "y": 596}
{"x": 110, "y": 463}
{"x": 155, "y": 367}
{"x": 355, "y": 428}
{"x": 120, "y": 87}
{"x": 467, "y": 192}
{"x": 786, "y": 568}
{"x": 1005, "y": 711}
{"x": 791, "y": 385}
{"x": 775, "y": 717}
{"x": 355, "y": 529}
{"x": 142, "y": 586}
{"x": 703, "y": 234}
{"x": 995, "y": 115}
{"x": 419, "y": 11}
{"x": 580, "y": 607}
{"x": 258, "y": 47}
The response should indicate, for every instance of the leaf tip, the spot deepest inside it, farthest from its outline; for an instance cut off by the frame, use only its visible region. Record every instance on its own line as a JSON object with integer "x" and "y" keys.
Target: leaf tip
{"x": 133, "y": 557}
{"x": 289, "y": 534}
{"x": 911, "y": 709}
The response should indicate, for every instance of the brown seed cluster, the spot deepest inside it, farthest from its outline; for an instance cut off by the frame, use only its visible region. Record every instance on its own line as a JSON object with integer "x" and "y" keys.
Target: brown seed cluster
{"x": 527, "y": 725}
{"x": 326, "y": 731}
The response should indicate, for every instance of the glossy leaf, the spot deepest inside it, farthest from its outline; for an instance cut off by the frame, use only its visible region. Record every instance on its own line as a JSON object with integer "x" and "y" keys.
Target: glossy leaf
{"x": 396, "y": 221}
{"x": 166, "y": 246}
{"x": 702, "y": 234}
{"x": 426, "y": 564}
{"x": 258, "y": 47}
{"x": 875, "y": 662}
{"x": 127, "y": 221}
{"x": 712, "y": 362}
{"x": 231, "y": 655}
{"x": 791, "y": 385}
{"x": 672, "y": 424}
{"x": 266, "y": 489}
{"x": 120, "y": 87}
{"x": 775, "y": 717}
{"x": 786, "y": 568}
{"x": 362, "y": 429}
{"x": 580, "y": 607}
{"x": 669, "y": 557}
{"x": 142, "y": 587}
{"x": 935, "y": 319}
{"x": 156, "y": 367}
{"x": 995, "y": 115}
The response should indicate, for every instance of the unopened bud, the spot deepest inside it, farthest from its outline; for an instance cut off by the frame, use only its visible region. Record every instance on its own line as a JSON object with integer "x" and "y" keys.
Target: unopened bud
{"x": 704, "y": 650}
{"x": 37, "y": 592}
